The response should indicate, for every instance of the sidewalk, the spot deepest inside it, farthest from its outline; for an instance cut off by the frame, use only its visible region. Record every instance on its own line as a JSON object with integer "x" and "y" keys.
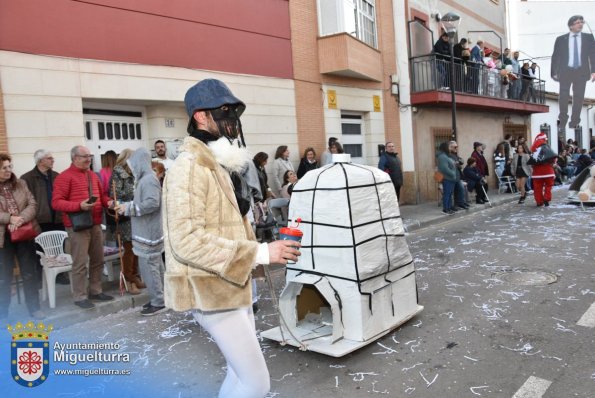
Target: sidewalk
{"x": 415, "y": 217}
{"x": 426, "y": 214}
{"x": 423, "y": 215}
{"x": 66, "y": 313}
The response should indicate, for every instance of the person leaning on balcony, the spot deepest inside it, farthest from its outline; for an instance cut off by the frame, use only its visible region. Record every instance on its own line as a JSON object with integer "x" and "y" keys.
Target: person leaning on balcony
{"x": 526, "y": 83}
{"x": 442, "y": 53}
{"x": 477, "y": 52}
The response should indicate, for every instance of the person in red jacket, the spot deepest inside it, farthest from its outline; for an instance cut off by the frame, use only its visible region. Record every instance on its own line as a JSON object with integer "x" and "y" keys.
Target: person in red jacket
{"x": 543, "y": 171}
{"x": 71, "y": 195}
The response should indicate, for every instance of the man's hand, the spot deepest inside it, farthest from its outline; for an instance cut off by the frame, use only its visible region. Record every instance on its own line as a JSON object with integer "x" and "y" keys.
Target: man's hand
{"x": 282, "y": 250}
{"x": 86, "y": 206}
{"x": 593, "y": 77}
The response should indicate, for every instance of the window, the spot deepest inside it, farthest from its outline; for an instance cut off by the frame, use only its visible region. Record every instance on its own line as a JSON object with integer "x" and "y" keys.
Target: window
{"x": 88, "y": 130}
{"x": 355, "y": 150}
{"x": 101, "y": 127}
{"x": 355, "y": 17}
{"x": 117, "y": 131}
{"x": 441, "y": 135}
{"x": 131, "y": 130}
{"x": 352, "y": 137}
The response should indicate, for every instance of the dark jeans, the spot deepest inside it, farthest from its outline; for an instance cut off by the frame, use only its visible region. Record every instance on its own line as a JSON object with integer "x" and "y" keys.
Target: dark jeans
{"x": 397, "y": 191}
{"x": 460, "y": 194}
{"x": 30, "y": 273}
{"x": 447, "y": 191}
{"x": 578, "y": 84}
{"x": 480, "y": 194}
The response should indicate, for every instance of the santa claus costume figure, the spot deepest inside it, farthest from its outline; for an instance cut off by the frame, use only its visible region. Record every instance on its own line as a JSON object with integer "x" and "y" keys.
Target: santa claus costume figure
{"x": 543, "y": 171}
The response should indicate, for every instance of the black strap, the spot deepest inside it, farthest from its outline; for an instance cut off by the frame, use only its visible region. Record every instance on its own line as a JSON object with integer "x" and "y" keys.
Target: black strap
{"x": 89, "y": 180}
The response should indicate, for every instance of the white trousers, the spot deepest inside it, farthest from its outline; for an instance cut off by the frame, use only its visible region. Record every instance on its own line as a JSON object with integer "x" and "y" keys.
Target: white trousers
{"x": 235, "y": 335}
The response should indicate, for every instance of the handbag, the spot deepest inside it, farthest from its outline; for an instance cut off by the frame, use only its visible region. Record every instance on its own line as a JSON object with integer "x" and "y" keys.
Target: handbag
{"x": 82, "y": 220}
{"x": 438, "y": 176}
{"x": 23, "y": 233}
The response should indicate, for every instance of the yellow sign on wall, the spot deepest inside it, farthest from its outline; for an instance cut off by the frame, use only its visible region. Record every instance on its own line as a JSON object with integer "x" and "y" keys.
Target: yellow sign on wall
{"x": 331, "y": 97}
{"x": 376, "y": 100}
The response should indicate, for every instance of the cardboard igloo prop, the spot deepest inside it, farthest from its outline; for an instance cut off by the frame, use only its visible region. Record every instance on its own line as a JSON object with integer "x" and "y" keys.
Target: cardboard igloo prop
{"x": 355, "y": 279}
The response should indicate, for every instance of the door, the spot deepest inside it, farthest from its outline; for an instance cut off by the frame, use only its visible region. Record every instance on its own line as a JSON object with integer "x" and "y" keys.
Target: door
{"x": 107, "y": 130}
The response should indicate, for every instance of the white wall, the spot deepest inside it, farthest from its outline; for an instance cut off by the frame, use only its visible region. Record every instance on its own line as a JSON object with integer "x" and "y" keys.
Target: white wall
{"x": 43, "y": 99}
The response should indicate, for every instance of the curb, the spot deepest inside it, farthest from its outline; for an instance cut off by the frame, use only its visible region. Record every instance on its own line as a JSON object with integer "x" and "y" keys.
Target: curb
{"x": 67, "y": 314}
{"x": 411, "y": 224}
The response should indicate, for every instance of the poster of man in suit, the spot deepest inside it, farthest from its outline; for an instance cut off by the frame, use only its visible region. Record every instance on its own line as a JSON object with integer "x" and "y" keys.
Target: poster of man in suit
{"x": 573, "y": 65}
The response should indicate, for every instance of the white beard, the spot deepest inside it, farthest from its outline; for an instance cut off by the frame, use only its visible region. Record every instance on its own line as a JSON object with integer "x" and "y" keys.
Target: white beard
{"x": 230, "y": 155}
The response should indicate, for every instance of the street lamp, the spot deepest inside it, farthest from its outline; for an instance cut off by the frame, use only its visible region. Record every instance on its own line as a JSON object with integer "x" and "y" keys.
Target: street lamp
{"x": 450, "y": 23}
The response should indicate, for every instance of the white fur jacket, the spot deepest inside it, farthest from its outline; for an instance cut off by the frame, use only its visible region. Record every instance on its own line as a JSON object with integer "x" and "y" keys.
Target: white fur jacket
{"x": 210, "y": 248}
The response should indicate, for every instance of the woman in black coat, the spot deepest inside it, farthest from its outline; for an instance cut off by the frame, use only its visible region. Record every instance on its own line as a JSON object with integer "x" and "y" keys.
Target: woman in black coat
{"x": 472, "y": 175}
{"x": 308, "y": 162}
{"x": 260, "y": 160}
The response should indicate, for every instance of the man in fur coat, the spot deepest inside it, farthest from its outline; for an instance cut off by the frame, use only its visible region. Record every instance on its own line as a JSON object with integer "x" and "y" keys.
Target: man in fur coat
{"x": 209, "y": 243}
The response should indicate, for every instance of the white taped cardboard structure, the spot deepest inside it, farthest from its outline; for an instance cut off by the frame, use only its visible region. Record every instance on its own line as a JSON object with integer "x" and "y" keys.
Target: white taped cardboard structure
{"x": 355, "y": 279}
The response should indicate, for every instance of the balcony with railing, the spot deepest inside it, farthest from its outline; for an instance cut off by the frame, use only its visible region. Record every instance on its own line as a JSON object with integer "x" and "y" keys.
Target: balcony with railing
{"x": 476, "y": 86}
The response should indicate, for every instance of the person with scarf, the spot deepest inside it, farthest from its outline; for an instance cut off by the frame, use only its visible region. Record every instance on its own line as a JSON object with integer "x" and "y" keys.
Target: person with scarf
{"x": 280, "y": 165}
{"x": 308, "y": 162}
{"x": 210, "y": 246}
{"x": 122, "y": 181}
{"x": 17, "y": 207}
{"x": 390, "y": 163}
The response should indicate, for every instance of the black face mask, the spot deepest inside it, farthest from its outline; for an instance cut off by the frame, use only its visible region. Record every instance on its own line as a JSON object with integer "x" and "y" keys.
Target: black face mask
{"x": 228, "y": 122}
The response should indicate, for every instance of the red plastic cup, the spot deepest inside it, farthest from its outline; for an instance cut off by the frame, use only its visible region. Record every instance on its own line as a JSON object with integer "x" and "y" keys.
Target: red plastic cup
{"x": 288, "y": 233}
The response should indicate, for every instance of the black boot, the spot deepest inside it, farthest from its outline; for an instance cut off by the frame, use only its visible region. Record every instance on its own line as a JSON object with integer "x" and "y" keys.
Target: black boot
{"x": 522, "y": 199}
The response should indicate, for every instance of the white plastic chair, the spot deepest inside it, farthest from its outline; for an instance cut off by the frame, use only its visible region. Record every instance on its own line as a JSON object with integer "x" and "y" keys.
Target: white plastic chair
{"x": 110, "y": 261}
{"x": 52, "y": 243}
{"x": 505, "y": 182}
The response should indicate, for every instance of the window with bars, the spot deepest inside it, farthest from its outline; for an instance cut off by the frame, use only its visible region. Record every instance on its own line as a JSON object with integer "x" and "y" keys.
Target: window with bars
{"x": 441, "y": 135}
{"x": 117, "y": 131}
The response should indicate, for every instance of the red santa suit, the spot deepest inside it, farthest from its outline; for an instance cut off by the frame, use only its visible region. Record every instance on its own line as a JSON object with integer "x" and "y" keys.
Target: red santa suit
{"x": 543, "y": 174}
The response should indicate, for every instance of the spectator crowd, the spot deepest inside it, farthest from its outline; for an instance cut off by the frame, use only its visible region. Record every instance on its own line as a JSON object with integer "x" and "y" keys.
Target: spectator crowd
{"x": 481, "y": 70}
{"x": 124, "y": 198}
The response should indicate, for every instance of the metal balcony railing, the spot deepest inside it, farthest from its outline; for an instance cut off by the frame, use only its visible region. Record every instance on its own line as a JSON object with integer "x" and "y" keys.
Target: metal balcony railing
{"x": 431, "y": 73}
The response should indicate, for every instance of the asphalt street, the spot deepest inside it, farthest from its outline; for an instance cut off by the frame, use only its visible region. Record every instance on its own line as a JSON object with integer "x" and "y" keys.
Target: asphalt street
{"x": 507, "y": 294}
